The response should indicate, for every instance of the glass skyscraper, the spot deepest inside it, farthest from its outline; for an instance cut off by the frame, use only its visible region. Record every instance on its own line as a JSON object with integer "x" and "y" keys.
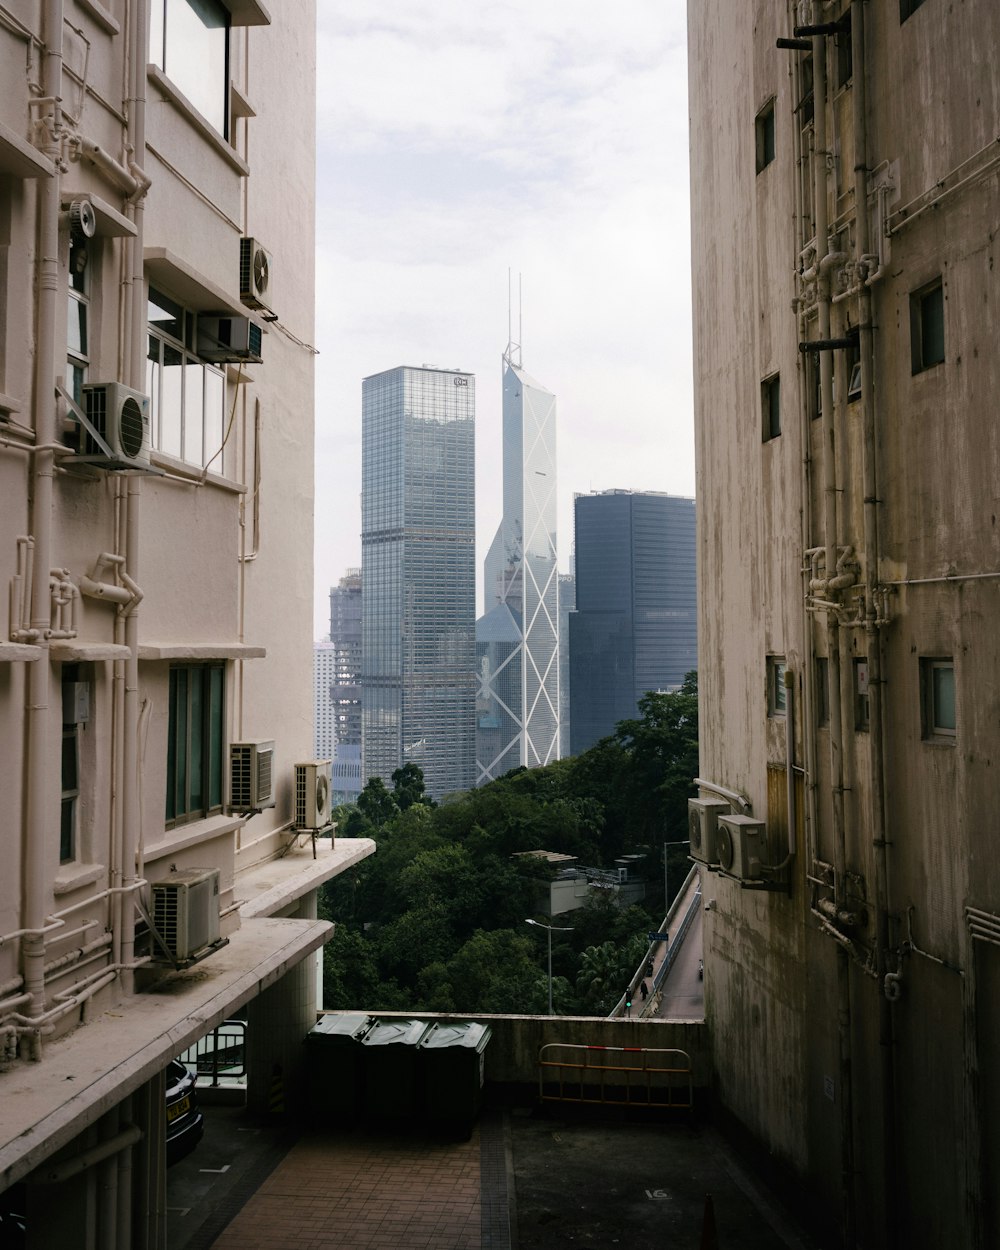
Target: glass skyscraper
{"x": 517, "y": 638}
{"x": 418, "y": 575}
{"x": 635, "y": 624}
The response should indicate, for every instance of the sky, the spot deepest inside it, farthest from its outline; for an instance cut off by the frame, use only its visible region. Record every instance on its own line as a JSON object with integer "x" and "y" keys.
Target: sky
{"x": 461, "y": 143}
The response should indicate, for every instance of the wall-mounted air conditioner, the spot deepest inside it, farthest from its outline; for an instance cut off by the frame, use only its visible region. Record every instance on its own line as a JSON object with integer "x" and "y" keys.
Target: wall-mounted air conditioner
{"x": 226, "y": 340}
{"x": 739, "y": 841}
{"x": 186, "y": 911}
{"x": 120, "y": 416}
{"x": 255, "y": 275}
{"x": 703, "y": 815}
{"x": 251, "y": 775}
{"x": 312, "y": 794}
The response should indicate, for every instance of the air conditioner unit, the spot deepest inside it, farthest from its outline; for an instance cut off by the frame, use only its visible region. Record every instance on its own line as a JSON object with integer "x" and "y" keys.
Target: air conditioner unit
{"x": 251, "y": 775}
{"x": 186, "y": 911}
{"x": 739, "y": 841}
{"x": 226, "y": 340}
{"x": 121, "y": 417}
{"x": 312, "y": 794}
{"x": 255, "y": 275}
{"x": 703, "y": 815}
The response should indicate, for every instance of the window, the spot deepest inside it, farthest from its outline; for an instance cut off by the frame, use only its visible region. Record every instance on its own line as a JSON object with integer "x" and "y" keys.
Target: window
{"x": 775, "y": 685}
{"x": 844, "y": 51}
{"x": 187, "y": 397}
{"x": 927, "y": 327}
{"x": 814, "y": 395}
{"x": 862, "y": 714}
{"x": 770, "y": 403}
{"x": 822, "y": 690}
{"x": 78, "y": 320}
{"x": 765, "y": 136}
{"x": 70, "y": 784}
{"x": 194, "y": 742}
{"x": 937, "y": 697}
{"x": 189, "y": 41}
{"x": 907, "y": 8}
{"x": 806, "y": 105}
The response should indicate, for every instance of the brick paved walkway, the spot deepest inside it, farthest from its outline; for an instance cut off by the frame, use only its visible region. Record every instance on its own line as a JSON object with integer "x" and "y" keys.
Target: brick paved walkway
{"x": 369, "y": 1192}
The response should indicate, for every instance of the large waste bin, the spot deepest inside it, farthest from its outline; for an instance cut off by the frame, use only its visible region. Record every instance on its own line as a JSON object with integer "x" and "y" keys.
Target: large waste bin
{"x": 452, "y": 1057}
{"x": 393, "y": 1089}
{"x": 334, "y": 1066}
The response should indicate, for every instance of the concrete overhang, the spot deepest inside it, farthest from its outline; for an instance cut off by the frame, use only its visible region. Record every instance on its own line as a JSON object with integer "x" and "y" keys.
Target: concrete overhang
{"x": 201, "y": 651}
{"x": 275, "y": 884}
{"x": 47, "y": 1104}
{"x": 11, "y": 651}
{"x": 21, "y": 158}
{"x": 177, "y": 278}
{"x": 110, "y": 222}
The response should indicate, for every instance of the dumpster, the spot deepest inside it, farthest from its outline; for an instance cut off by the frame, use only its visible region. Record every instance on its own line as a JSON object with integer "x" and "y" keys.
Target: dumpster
{"x": 334, "y": 1066}
{"x": 452, "y": 1057}
{"x": 393, "y": 1089}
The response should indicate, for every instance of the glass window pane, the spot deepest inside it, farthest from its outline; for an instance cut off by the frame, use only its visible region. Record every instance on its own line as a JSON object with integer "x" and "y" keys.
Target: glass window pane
{"x": 67, "y": 822}
{"x": 197, "y": 46}
{"x": 181, "y": 744}
{"x": 215, "y": 399}
{"x": 156, "y": 33}
{"x": 153, "y": 388}
{"x": 69, "y": 760}
{"x": 932, "y": 327}
{"x": 166, "y": 315}
{"x": 194, "y": 413}
{"x": 171, "y": 401}
{"x": 171, "y": 805}
{"x": 76, "y": 326}
{"x": 196, "y": 767}
{"x": 214, "y": 722}
{"x": 944, "y": 697}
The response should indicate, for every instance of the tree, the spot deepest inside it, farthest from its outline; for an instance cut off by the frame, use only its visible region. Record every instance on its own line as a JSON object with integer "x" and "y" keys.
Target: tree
{"x": 408, "y": 786}
{"x": 376, "y": 803}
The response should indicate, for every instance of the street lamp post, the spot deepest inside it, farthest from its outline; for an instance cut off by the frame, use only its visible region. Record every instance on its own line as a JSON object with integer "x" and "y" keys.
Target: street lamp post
{"x": 559, "y": 929}
{"x": 666, "y": 882}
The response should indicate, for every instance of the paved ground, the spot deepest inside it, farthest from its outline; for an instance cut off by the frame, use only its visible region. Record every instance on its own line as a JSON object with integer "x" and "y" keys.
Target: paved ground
{"x": 522, "y": 1182}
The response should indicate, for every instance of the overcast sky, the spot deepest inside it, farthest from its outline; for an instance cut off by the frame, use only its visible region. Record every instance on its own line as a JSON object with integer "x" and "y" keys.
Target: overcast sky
{"x": 458, "y": 140}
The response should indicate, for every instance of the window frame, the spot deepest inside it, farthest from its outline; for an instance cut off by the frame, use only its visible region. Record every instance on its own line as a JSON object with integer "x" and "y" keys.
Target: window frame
{"x": 907, "y": 8}
{"x": 931, "y": 728}
{"x": 208, "y": 743}
{"x": 765, "y": 136}
{"x": 777, "y": 704}
{"x": 822, "y": 689}
{"x": 182, "y": 344}
{"x": 770, "y": 407}
{"x": 78, "y": 303}
{"x": 922, "y": 359}
{"x": 159, "y": 25}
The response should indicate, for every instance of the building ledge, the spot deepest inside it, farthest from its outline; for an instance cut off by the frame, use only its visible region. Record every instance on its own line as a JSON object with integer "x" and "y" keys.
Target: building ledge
{"x": 111, "y": 223}
{"x": 274, "y": 884}
{"x": 74, "y": 651}
{"x": 196, "y": 120}
{"x": 45, "y": 1105}
{"x": 179, "y": 279}
{"x": 201, "y": 651}
{"x": 176, "y": 840}
{"x": 11, "y": 651}
{"x": 21, "y": 158}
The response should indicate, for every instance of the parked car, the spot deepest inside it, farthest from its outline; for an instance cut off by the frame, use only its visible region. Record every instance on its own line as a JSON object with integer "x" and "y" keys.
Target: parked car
{"x": 185, "y": 1123}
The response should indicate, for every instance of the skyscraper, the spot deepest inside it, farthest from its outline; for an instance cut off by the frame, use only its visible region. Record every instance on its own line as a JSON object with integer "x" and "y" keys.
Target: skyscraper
{"x": 635, "y": 627}
{"x": 418, "y": 575}
{"x": 517, "y": 638}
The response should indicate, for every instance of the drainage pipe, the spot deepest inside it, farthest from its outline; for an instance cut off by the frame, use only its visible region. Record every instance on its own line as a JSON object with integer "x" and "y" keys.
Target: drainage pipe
{"x": 34, "y": 843}
{"x": 138, "y": 33}
{"x": 68, "y": 1168}
{"x": 830, "y": 531}
{"x": 876, "y": 684}
{"x": 739, "y": 801}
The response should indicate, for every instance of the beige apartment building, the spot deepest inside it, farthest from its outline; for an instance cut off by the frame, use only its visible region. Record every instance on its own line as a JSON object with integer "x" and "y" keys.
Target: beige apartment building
{"x": 156, "y": 478}
{"x": 846, "y": 211}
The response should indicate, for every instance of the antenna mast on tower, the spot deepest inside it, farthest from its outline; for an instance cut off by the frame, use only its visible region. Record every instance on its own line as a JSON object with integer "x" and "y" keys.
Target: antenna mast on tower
{"x": 512, "y": 355}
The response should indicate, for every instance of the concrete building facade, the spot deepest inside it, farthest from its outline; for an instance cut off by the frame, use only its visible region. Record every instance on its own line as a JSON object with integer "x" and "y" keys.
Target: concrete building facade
{"x": 634, "y": 628}
{"x": 844, "y": 209}
{"x": 156, "y": 398}
{"x": 517, "y": 705}
{"x": 418, "y": 575}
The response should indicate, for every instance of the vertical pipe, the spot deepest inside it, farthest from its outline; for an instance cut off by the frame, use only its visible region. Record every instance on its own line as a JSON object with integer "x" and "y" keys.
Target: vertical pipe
{"x": 36, "y": 844}
{"x": 876, "y": 684}
{"x": 136, "y": 378}
{"x": 820, "y": 175}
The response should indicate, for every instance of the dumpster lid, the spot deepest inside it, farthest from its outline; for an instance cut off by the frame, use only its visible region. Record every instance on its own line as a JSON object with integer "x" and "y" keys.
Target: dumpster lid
{"x": 390, "y": 1032}
{"x": 468, "y": 1033}
{"x": 340, "y": 1024}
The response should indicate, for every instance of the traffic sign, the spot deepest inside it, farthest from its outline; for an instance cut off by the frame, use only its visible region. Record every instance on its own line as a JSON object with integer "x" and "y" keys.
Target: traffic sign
{"x": 658, "y": 937}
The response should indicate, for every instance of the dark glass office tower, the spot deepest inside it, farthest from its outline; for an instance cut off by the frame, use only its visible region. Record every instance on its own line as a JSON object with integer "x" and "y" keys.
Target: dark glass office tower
{"x": 418, "y": 575}
{"x": 635, "y": 626}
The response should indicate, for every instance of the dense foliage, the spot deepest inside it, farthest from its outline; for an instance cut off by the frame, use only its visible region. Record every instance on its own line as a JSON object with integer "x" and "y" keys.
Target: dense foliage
{"x": 435, "y": 920}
